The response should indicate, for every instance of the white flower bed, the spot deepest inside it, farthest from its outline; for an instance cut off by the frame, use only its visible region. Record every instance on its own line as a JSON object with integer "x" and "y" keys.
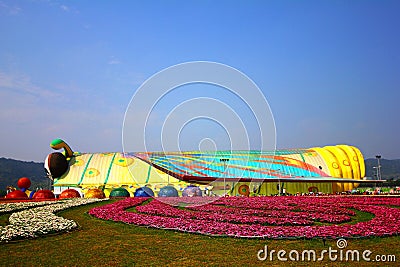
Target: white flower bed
{"x": 16, "y": 206}
{"x": 37, "y": 221}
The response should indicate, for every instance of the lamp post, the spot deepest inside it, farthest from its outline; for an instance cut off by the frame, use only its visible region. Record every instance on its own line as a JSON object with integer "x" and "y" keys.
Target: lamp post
{"x": 225, "y": 160}
{"x": 376, "y": 175}
{"x": 378, "y": 171}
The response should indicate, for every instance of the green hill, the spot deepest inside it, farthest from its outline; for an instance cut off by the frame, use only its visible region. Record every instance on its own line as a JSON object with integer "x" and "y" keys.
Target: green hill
{"x": 11, "y": 170}
{"x": 390, "y": 169}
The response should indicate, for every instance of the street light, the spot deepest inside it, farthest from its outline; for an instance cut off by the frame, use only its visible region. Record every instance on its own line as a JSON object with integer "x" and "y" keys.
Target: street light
{"x": 225, "y": 160}
{"x": 376, "y": 175}
{"x": 378, "y": 172}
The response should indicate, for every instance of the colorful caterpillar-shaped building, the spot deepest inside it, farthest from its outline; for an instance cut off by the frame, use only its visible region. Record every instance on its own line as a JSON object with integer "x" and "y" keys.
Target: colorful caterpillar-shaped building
{"x": 327, "y": 169}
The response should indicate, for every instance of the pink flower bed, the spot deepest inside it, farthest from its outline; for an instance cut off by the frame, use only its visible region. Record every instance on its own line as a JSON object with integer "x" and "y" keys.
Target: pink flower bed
{"x": 266, "y": 217}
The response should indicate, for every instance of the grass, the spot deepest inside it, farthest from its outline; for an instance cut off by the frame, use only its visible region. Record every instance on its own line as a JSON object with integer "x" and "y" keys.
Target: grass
{"x": 361, "y": 216}
{"x": 4, "y": 219}
{"x": 105, "y": 243}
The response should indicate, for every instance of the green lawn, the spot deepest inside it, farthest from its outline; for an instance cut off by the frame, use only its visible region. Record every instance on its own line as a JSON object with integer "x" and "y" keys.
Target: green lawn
{"x": 104, "y": 243}
{"x": 4, "y": 219}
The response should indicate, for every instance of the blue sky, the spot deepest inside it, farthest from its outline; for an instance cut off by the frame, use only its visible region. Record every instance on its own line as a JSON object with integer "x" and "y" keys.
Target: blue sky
{"x": 330, "y": 70}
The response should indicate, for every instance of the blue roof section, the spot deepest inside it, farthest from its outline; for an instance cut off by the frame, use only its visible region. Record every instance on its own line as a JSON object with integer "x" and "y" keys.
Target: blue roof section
{"x": 237, "y": 165}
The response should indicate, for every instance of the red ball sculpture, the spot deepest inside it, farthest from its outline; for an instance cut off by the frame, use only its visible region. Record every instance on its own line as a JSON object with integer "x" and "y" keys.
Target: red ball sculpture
{"x": 16, "y": 194}
{"x": 44, "y": 194}
{"x": 24, "y": 182}
{"x": 69, "y": 193}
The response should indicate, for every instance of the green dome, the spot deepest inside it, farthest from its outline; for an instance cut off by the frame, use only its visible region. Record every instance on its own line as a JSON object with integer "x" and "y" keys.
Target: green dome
{"x": 119, "y": 192}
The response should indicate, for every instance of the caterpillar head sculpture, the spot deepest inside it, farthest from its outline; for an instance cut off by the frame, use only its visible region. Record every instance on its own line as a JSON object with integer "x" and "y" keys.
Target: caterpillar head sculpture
{"x": 56, "y": 164}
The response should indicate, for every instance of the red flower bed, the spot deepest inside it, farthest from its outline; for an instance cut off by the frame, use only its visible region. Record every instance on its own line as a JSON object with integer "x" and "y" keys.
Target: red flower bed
{"x": 267, "y": 217}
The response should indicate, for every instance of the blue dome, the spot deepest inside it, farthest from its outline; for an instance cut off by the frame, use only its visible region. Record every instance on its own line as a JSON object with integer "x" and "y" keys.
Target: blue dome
{"x": 168, "y": 191}
{"x": 144, "y": 192}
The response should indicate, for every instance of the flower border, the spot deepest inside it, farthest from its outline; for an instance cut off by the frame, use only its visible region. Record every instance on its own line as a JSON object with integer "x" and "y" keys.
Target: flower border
{"x": 34, "y": 219}
{"x": 220, "y": 218}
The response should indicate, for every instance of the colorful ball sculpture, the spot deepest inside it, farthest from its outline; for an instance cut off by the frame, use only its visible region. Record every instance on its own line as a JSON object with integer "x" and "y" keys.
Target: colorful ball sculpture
{"x": 313, "y": 189}
{"x": 24, "y": 182}
{"x": 70, "y": 193}
{"x": 119, "y": 192}
{"x": 168, "y": 191}
{"x": 16, "y": 194}
{"x": 244, "y": 190}
{"x": 95, "y": 193}
{"x": 192, "y": 191}
{"x": 44, "y": 194}
{"x": 144, "y": 192}
{"x": 31, "y": 194}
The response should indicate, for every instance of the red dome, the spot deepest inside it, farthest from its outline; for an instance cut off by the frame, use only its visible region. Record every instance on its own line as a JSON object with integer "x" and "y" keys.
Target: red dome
{"x": 24, "y": 182}
{"x": 44, "y": 194}
{"x": 16, "y": 194}
{"x": 69, "y": 193}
